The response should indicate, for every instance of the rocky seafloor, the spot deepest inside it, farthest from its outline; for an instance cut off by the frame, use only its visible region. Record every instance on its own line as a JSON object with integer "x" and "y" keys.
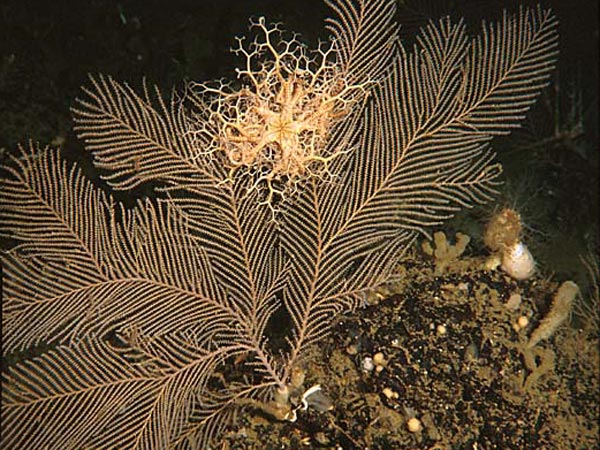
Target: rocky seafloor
{"x": 446, "y": 344}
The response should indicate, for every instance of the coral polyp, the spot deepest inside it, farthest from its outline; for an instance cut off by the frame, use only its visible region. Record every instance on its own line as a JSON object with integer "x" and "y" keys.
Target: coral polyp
{"x": 276, "y": 126}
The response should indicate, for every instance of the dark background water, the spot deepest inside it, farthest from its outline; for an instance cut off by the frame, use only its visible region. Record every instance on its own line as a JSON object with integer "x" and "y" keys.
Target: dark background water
{"x": 49, "y": 47}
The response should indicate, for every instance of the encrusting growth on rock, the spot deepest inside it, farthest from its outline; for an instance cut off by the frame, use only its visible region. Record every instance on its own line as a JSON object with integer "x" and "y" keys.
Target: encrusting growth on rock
{"x": 561, "y": 309}
{"x": 445, "y": 253}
